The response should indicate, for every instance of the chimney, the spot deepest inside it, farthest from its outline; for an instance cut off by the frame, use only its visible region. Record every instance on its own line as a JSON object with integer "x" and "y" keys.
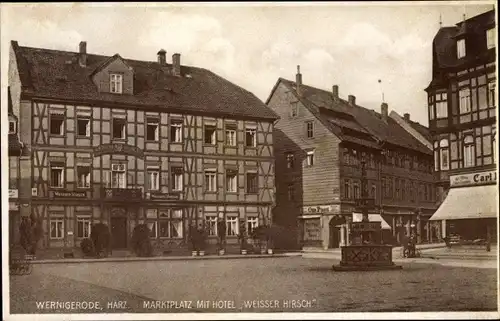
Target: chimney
{"x": 162, "y": 60}
{"x": 352, "y": 100}
{"x": 82, "y": 59}
{"x": 335, "y": 92}
{"x": 407, "y": 117}
{"x": 384, "y": 111}
{"x": 176, "y": 64}
{"x": 298, "y": 81}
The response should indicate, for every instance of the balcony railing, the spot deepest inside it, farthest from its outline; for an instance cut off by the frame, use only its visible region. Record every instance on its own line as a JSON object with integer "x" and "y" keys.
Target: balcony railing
{"x": 122, "y": 194}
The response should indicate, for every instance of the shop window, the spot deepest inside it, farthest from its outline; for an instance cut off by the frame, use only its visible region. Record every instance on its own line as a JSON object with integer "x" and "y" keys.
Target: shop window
{"x": 176, "y": 131}
{"x": 83, "y": 227}
{"x": 152, "y": 129}
{"x": 56, "y": 228}
{"x": 170, "y": 223}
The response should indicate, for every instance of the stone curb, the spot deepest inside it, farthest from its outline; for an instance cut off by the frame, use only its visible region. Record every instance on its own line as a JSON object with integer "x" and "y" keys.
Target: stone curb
{"x": 163, "y": 258}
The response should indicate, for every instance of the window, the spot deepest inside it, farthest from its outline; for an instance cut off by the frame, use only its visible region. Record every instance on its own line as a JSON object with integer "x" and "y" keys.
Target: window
{"x": 231, "y": 181}
{"x": 231, "y": 135}
{"x": 252, "y": 223}
{"x": 494, "y": 142}
{"x": 374, "y": 191}
{"x": 431, "y": 111}
{"x": 491, "y": 38}
{"x": 294, "y": 109}
{"x": 232, "y": 227}
{"x": 347, "y": 189}
{"x": 403, "y": 189}
{"x": 176, "y": 131}
{"x": 396, "y": 187}
{"x": 83, "y": 227}
{"x": 210, "y": 181}
{"x": 469, "y": 154}
{"x": 176, "y": 184}
{"x": 83, "y": 126}
{"x": 152, "y": 129}
{"x": 118, "y": 176}
{"x": 491, "y": 93}
{"x": 372, "y": 161}
{"x": 170, "y": 224}
{"x": 310, "y": 158}
{"x": 12, "y": 127}
{"x": 152, "y": 216}
{"x": 461, "y": 48}
{"x": 116, "y": 83}
{"x": 83, "y": 174}
{"x": 153, "y": 229}
{"x": 119, "y": 127}
{"x": 441, "y": 109}
{"x": 252, "y": 183}
{"x": 210, "y": 136}
{"x": 56, "y": 124}
{"x": 310, "y": 129}
{"x": 251, "y": 137}
{"x": 346, "y": 155}
{"x": 289, "y": 160}
{"x": 444, "y": 154}
{"x": 464, "y": 96}
{"x": 153, "y": 178}
{"x": 211, "y": 221}
{"x": 356, "y": 191}
{"x": 291, "y": 192}
{"x": 57, "y": 175}
{"x": 56, "y": 228}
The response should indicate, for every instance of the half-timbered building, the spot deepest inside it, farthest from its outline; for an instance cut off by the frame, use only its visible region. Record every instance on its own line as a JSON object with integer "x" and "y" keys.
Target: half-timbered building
{"x": 320, "y": 142}
{"x": 125, "y": 142}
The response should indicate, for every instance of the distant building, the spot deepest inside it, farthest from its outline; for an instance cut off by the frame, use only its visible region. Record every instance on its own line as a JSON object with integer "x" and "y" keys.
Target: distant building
{"x": 320, "y": 141}
{"x": 126, "y": 142}
{"x": 462, "y": 106}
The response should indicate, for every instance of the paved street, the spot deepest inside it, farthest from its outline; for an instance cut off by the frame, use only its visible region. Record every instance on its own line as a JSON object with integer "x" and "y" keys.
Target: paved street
{"x": 293, "y": 284}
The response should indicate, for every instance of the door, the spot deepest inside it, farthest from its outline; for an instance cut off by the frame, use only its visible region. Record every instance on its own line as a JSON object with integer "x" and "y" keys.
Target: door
{"x": 119, "y": 232}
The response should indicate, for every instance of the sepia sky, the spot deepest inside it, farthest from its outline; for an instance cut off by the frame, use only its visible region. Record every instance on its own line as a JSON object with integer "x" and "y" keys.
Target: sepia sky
{"x": 348, "y": 44}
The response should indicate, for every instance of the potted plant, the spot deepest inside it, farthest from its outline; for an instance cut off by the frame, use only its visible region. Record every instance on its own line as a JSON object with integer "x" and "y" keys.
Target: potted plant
{"x": 87, "y": 247}
{"x": 141, "y": 243}
{"x": 194, "y": 240}
{"x": 202, "y": 241}
{"x": 221, "y": 237}
{"x": 259, "y": 236}
{"x": 242, "y": 239}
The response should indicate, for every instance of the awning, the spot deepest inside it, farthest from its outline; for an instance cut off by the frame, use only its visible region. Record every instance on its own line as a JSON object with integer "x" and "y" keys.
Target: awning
{"x": 468, "y": 202}
{"x": 358, "y": 217}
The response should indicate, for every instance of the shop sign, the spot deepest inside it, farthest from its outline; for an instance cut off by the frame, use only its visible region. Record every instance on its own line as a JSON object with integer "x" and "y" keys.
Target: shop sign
{"x": 327, "y": 209}
{"x": 164, "y": 196}
{"x": 117, "y": 148}
{"x": 472, "y": 179}
{"x": 13, "y": 193}
{"x": 13, "y": 206}
{"x": 312, "y": 229}
{"x": 69, "y": 194}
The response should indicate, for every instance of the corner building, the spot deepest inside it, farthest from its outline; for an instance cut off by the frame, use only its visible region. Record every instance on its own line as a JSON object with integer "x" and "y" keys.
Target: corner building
{"x": 462, "y": 106}
{"x": 126, "y": 142}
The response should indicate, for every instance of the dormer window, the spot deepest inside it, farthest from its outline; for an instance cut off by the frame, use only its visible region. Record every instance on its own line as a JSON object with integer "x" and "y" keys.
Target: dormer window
{"x": 12, "y": 127}
{"x": 461, "y": 48}
{"x": 490, "y": 38}
{"x": 116, "y": 83}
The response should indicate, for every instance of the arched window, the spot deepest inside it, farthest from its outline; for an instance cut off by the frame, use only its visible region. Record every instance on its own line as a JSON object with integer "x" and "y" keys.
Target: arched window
{"x": 444, "y": 153}
{"x": 469, "y": 154}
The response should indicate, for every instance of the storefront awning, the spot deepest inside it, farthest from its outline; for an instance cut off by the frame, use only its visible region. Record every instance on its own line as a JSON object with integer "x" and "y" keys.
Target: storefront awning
{"x": 358, "y": 217}
{"x": 468, "y": 203}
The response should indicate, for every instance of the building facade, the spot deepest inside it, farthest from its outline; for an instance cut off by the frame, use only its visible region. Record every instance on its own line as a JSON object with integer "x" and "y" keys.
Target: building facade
{"x": 462, "y": 106}
{"x": 320, "y": 141}
{"x": 125, "y": 142}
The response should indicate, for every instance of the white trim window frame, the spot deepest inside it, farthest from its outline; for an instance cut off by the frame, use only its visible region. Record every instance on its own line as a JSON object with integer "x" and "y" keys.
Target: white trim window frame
{"x": 491, "y": 93}
{"x": 57, "y": 175}
{"x": 177, "y": 179}
{"x": 310, "y": 158}
{"x": 83, "y": 227}
{"x": 469, "y": 151}
{"x": 230, "y": 135}
{"x": 176, "y": 131}
{"x": 116, "y": 83}
{"x": 444, "y": 155}
{"x": 210, "y": 180}
{"x": 491, "y": 38}
{"x": 441, "y": 105}
{"x": 461, "y": 48}
{"x": 56, "y": 228}
{"x": 231, "y": 181}
{"x": 211, "y": 221}
{"x": 464, "y": 100}
{"x": 252, "y": 223}
{"x": 232, "y": 226}
{"x": 118, "y": 175}
{"x": 153, "y": 178}
{"x": 210, "y": 134}
{"x": 56, "y": 129}
{"x": 83, "y": 122}
{"x": 251, "y": 137}
{"x": 83, "y": 176}
{"x": 119, "y": 132}
{"x": 152, "y": 130}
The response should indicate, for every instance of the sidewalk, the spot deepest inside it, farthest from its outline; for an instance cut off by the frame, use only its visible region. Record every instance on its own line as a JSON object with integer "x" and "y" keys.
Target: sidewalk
{"x": 396, "y": 251}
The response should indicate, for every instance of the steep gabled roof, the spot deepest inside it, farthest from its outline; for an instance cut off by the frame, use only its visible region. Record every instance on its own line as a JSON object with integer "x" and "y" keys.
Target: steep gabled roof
{"x": 57, "y": 75}
{"x": 362, "y": 126}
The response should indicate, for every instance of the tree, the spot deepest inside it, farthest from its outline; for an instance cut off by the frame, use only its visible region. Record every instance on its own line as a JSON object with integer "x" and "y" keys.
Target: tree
{"x": 141, "y": 242}
{"x": 101, "y": 237}
{"x": 30, "y": 231}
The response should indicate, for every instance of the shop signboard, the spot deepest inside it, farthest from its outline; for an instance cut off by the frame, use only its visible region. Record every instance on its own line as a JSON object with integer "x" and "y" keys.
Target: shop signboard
{"x": 473, "y": 179}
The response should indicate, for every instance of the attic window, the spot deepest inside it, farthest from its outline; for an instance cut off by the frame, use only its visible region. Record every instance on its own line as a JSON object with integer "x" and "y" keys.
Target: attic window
{"x": 116, "y": 83}
{"x": 461, "y": 48}
{"x": 12, "y": 127}
{"x": 490, "y": 38}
